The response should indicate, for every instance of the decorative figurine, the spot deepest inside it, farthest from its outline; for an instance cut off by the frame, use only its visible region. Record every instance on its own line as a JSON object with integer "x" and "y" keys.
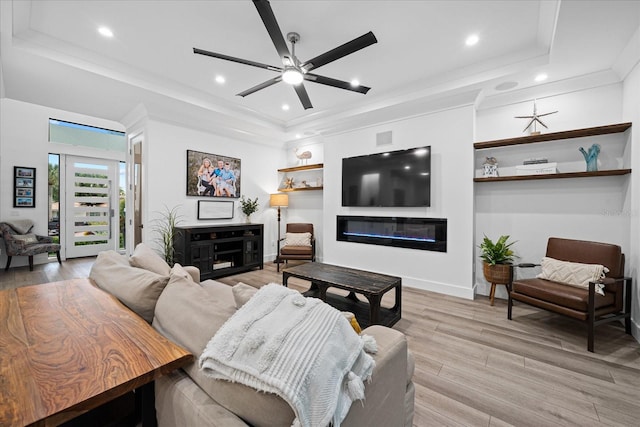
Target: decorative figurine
{"x": 288, "y": 183}
{"x": 535, "y": 118}
{"x": 303, "y": 157}
{"x": 591, "y": 157}
{"x": 490, "y": 167}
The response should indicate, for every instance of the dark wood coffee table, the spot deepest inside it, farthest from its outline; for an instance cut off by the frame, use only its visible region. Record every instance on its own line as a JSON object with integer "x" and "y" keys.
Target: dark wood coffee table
{"x": 372, "y": 285}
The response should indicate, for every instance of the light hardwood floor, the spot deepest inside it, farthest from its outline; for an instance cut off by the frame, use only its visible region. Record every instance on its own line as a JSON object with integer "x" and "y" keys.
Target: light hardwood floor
{"x": 476, "y": 368}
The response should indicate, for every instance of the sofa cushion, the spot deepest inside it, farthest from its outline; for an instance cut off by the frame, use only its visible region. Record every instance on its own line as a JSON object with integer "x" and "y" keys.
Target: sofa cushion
{"x": 180, "y": 402}
{"x": 297, "y": 239}
{"x": 136, "y": 288}
{"x": 190, "y": 314}
{"x": 242, "y": 293}
{"x": 145, "y": 257}
{"x": 571, "y": 273}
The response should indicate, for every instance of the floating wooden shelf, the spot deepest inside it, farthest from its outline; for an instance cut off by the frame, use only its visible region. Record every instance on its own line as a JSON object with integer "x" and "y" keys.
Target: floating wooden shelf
{"x": 302, "y": 168}
{"x": 612, "y": 172}
{"x": 286, "y": 190}
{"x": 577, "y": 133}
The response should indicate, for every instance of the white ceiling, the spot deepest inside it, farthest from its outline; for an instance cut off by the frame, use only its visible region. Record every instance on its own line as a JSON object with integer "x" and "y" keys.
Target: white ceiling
{"x": 52, "y": 55}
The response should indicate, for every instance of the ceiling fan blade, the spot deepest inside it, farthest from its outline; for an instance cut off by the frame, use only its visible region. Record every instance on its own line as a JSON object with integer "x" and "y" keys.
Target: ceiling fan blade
{"x": 260, "y": 86}
{"x": 269, "y": 20}
{"x": 234, "y": 59}
{"x": 340, "y": 84}
{"x": 340, "y": 51}
{"x": 304, "y": 97}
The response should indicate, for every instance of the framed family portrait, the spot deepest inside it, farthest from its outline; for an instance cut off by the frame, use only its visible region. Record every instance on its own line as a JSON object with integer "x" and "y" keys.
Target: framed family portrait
{"x": 212, "y": 175}
{"x": 24, "y": 187}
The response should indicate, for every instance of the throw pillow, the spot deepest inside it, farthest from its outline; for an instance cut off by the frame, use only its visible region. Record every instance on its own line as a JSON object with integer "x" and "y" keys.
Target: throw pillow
{"x": 136, "y": 288}
{"x": 353, "y": 321}
{"x": 22, "y": 226}
{"x": 297, "y": 239}
{"x": 242, "y": 293}
{"x": 28, "y": 239}
{"x": 145, "y": 257}
{"x": 571, "y": 273}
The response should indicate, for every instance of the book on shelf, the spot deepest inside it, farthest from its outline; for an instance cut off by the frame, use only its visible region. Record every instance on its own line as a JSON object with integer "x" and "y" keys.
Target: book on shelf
{"x": 535, "y": 161}
{"x": 222, "y": 264}
{"x": 537, "y": 169}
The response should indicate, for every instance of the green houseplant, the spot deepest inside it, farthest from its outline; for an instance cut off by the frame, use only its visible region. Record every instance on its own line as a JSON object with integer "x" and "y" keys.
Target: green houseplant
{"x": 499, "y": 252}
{"x": 498, "y": 257}
{"x": 165, "y": 228}
{"x": 248, "y": 206}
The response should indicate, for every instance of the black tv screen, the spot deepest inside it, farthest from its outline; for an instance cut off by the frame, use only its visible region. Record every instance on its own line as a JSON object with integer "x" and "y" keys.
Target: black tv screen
{"x": 392, "y": 179}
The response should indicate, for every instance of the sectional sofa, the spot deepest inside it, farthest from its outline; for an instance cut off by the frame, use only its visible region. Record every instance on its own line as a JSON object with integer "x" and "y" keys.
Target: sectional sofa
{"x": 189, "y": 313}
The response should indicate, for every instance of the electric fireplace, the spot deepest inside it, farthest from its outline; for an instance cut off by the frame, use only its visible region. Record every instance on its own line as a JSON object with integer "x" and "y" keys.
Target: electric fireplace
{"x": 428, "y": 234}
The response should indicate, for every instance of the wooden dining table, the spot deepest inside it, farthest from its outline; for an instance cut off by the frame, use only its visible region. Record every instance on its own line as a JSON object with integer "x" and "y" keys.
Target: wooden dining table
{"x": 68, "y": 347}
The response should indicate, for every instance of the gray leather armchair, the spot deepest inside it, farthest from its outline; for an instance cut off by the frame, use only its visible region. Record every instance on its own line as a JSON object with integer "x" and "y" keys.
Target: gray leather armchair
{"x": 26, "y": 244}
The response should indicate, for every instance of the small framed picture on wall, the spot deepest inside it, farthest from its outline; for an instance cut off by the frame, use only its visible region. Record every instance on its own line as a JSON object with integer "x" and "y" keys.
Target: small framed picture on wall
{"x": 24, "y": 187}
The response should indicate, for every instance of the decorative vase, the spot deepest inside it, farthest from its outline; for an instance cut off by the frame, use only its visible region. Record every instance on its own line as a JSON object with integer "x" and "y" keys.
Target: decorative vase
{"x": 248, "y": 219}
{"x": 591, "y": 157}
{"x": 490, "y": 167}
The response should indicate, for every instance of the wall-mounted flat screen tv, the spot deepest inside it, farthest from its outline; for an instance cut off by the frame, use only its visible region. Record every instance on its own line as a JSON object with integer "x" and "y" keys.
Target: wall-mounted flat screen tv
{"x": 391, "y": 179}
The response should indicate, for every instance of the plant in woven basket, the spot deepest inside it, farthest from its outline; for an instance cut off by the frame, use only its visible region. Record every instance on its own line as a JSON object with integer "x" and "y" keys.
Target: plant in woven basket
{"x": 497, "y": 257}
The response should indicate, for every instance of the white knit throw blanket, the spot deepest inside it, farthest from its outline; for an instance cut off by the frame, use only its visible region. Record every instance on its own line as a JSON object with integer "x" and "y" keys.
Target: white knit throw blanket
{"x": 301, "y": 349}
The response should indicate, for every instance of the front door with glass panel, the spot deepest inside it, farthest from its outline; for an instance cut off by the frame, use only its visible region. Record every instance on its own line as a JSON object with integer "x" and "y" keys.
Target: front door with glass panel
{"x": 91, "y": 196}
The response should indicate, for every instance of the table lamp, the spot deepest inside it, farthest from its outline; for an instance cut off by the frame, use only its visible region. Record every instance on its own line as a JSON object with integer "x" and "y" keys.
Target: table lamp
{"x": 279, "y": 200}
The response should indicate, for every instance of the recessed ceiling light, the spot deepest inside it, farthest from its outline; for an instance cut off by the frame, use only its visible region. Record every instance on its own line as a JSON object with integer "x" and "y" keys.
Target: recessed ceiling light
{"x": 541, "y": 77}
{"x": 355, "y": 82}
{"x": 105, "y": 32}
{"x": 407, "y": 167}
{"x": 298, "y": 136}
{"x": 285, "y": 107}
{"x": 220, "y": 79}
{"x": 472, "y": 40}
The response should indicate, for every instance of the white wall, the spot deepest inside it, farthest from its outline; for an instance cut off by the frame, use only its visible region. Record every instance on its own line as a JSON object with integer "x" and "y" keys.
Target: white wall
{"x": 165, "y": 157}
{"x": 631, "y": 113}
{"x": 24, "y": 141}
{"x": 532, "y": 211}
{"x": 305, "y": 206}
{"x": 450, "y": 134}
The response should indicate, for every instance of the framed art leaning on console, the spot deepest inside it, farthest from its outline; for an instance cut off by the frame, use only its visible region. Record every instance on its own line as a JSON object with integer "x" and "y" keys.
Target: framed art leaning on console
{"x": 24, "y": 187}
{"x": 209, "y": 209}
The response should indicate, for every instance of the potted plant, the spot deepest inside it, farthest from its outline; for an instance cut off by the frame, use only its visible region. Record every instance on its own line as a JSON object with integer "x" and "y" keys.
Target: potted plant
{"x": 165, "y": 227}
{"x": 498, "y": 258}
{"x": 248, "y": 206}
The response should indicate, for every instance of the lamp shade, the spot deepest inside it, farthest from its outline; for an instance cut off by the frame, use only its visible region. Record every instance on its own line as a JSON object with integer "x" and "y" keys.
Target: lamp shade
{"x": 279, "y": 199}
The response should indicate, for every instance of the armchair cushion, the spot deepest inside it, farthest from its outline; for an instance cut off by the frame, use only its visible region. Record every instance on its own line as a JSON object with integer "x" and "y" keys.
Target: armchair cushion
{"x": 297, "y": 239}
{"x": 560, "y": 295}
{"x": 304, "y": 251}
{"x": 571, "y": 273}
{"x": 26, "y": 239}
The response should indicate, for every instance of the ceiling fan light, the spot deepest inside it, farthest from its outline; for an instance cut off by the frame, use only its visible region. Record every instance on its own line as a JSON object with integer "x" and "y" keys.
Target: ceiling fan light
{"x": 292, "y": 76}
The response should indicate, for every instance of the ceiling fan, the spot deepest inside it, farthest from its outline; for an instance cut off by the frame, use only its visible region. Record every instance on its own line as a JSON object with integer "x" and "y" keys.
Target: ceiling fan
{"x": 294, "y": 71}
